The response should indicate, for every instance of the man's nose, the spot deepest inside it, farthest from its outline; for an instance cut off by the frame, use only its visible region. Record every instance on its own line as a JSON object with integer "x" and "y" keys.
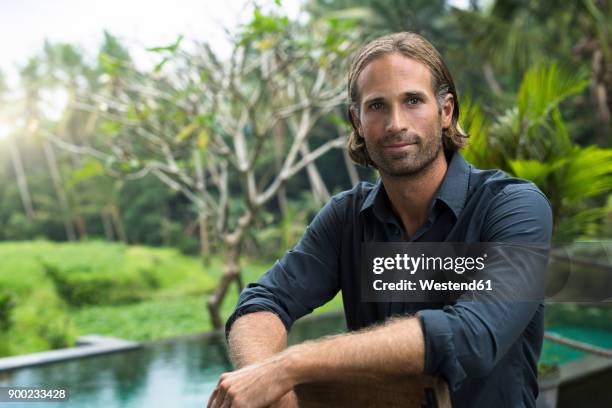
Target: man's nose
{"x": 395, "y": 122}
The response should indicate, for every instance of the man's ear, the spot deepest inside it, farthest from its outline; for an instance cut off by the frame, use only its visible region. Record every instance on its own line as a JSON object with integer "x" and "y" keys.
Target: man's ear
{"x": 354, "y": 119}
{"x": 448, "y": 107}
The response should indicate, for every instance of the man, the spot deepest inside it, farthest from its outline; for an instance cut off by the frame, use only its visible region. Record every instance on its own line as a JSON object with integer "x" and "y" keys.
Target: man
{"x": 404, "y": 110}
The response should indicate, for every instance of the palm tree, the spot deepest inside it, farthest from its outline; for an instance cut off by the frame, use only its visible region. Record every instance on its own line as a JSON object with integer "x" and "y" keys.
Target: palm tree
{"x": 511, "y": 36}
{"x": 32, "y": 80}
{"x": 16, "y": 160}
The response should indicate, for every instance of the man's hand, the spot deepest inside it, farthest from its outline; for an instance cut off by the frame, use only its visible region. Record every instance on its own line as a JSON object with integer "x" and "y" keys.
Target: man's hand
{"x": 257, "y": 385}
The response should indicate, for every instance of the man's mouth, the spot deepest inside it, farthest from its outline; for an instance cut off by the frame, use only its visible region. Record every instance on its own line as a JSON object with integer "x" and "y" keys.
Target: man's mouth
{"x": 399, "y": 146}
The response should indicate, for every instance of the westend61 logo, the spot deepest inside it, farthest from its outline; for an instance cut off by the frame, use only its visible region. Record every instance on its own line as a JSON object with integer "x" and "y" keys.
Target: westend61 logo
{"x": 446, "y": 271}
{"x": 412, "y": 264}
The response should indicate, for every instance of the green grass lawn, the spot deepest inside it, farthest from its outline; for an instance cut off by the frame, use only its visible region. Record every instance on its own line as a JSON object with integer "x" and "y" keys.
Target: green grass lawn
{"x": 59, "y": 291}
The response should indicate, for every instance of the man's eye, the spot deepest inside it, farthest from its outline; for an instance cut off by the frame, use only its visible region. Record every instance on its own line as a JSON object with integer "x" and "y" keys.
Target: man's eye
{"x": 413, "y": 100}
{"x": 376, "y": 106}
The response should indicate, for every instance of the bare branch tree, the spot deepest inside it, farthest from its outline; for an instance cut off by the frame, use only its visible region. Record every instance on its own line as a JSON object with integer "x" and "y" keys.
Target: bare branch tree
{"x": 207, "y": 128}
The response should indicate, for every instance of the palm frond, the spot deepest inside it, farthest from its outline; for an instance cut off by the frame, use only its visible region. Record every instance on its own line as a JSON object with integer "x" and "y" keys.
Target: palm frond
{"x": 475, "y": 124}
{"x": 588, "y": 173}
{"x": 543, "y": 88}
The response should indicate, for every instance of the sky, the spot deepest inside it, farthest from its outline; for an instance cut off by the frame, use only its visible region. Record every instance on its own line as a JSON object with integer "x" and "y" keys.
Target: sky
{"x": 25, "y": 24}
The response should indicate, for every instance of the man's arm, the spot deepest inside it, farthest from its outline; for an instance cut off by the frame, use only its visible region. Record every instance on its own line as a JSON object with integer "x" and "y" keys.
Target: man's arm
{"x": 305, "y": 278}
{"x": 396, "y": 346}
{"x": 468, "y": 338}
{"x": 255, "y": 337}
{"x": 302, "y": 280}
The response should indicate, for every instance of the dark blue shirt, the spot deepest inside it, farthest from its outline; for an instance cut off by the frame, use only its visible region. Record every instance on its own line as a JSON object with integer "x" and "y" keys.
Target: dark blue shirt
{"x": 487, "y": 352}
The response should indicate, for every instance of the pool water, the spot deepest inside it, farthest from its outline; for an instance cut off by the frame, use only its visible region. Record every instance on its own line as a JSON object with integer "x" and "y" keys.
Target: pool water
{"x": 180, "y": 373}
{"x": 554, "y": 353}
{"x": 184, "y": 372}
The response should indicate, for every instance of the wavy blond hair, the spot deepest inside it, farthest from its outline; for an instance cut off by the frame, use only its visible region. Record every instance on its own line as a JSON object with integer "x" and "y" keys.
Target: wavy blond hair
{"x": 413, "y": 46}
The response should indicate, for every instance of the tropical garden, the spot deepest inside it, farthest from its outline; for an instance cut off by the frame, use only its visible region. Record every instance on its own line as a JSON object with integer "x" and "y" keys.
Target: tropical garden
{"x": 137, "y": 203}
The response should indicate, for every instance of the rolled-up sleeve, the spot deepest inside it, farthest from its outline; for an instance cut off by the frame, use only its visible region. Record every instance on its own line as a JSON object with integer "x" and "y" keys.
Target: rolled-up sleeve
{"x": 304, "y": 279}
{"x": 468, "y": 338}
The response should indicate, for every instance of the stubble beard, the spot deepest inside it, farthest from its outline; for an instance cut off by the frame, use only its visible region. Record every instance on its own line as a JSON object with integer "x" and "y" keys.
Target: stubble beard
{"x": 410, "y": 163}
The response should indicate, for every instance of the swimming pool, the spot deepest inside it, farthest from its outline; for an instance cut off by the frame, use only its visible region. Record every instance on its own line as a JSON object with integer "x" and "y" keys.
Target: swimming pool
{"x": 183, "y": 372}
{"x": 178, "y": 373}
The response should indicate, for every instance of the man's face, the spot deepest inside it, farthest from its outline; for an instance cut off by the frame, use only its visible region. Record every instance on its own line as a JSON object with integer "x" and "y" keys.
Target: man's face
{"x": 399, "y": 117}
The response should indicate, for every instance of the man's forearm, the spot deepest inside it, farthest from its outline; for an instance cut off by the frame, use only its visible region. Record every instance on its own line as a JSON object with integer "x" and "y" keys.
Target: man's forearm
{"x": 255, "y": 337}
{"x": 393, "y": 348}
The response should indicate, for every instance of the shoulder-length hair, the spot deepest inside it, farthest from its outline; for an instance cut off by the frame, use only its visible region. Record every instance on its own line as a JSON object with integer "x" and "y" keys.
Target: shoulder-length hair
{"x": 413, "y": 46}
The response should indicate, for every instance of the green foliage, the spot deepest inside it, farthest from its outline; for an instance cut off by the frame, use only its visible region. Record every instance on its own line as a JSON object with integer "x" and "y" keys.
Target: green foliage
{"x": 63, "y": 61}
{"x": 6, "y": 306}
{"x": 506, "y": 36}
{"x": 172, "y": 48}
{"x": 155, "y": 215}
{"x": 530, "y": 140}
{"x": 168, "y": 51}
{"x": 144, "y": 321}
{"x": 379, "y": 17}
{"x": 474, "y": 122}
{"x": 276, "y": 239}
{"x": 40, "y": 312}
{"x": 541, "y": 91}
{"x": 174, "y": 235}
{"x": 186, "y": 132}
{"x": 109, "y": 64}
{"x": 40, "y": 319}
{"x": 80, "y": 285}
{"x": 111, "y": 127}
{"x": 262, "y": 28}
{"x": 88, "y": 170}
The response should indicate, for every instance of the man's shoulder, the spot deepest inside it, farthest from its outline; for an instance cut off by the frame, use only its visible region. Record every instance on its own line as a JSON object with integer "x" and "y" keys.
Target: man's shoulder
{"x": 510, "y": 207}
{"x": 497, "y": 183}
{"x": 355, "y": 195}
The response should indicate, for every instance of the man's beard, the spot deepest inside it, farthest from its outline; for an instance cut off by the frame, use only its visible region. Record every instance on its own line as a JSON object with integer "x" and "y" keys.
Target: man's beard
{"x": 409, "y": 162}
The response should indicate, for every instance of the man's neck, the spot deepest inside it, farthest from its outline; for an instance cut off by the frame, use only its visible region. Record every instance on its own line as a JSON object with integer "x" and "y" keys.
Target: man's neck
{"x": 411, "y": 196}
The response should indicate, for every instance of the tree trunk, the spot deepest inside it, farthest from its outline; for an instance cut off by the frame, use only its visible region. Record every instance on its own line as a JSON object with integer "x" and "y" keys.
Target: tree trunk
{"x": 75, "y": 160}
{"x": 116, "y": 217}
{"x": 231, "y": 272}
{"x": 202, "y": 214}
{"x": 24, "y": 192}
{"x": 81, "y": 225}
{"x": 319, "y": 190}
{"x": 107, "y": 224}
{"x": 59, "y": 190}
{"x": 204, "y": 237}
{"x": 602, "y": 90}
{"x": 278, "y": 145}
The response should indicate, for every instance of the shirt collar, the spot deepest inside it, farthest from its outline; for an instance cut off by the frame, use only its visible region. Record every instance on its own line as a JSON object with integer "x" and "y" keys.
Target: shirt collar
{"x": 452, "y": 191}
{"x": 454, "y": 188}
{"x": 374, "y": 194}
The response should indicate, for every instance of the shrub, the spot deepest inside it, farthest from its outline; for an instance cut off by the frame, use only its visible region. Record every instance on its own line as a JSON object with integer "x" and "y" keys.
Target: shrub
{"x": 7, "y": 304}
{"x": 82, "y": 285}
